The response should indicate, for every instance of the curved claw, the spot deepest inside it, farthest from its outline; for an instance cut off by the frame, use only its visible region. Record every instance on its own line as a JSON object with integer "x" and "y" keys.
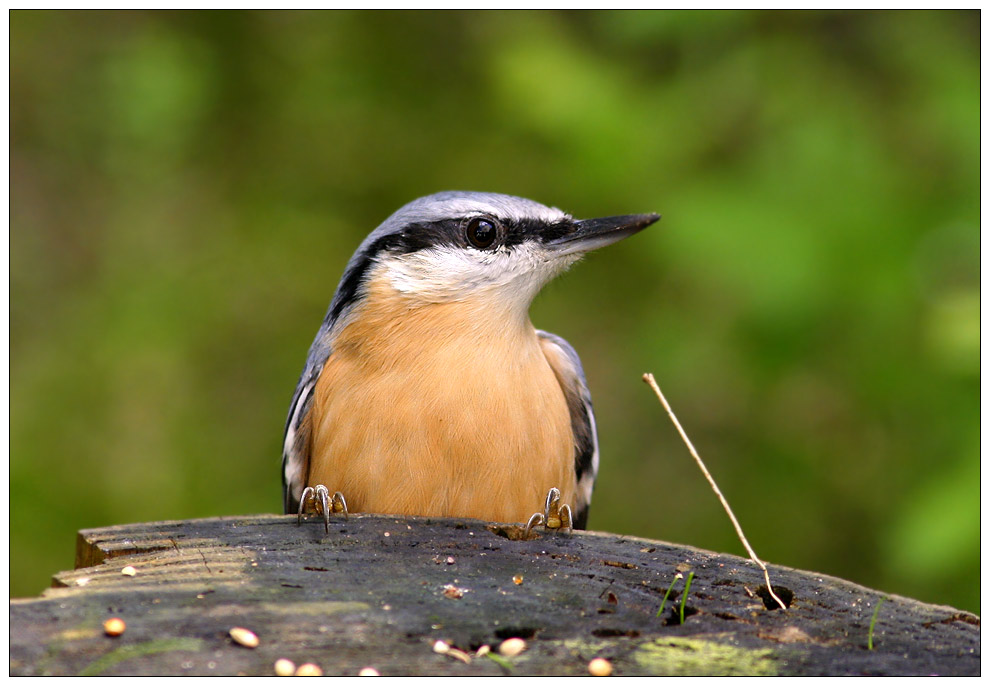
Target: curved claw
{"x": 323, "y": 505}
{"x": 535, "y": 520}
{"x": 339, "y": 505}
{"x": 565, "y": 518}
{"x": 318, "y": 498}
{"x": 307, "y": 495}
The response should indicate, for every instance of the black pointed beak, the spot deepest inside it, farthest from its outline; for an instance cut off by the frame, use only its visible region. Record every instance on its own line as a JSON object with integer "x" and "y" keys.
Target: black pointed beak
{"x": 591, "y": 234}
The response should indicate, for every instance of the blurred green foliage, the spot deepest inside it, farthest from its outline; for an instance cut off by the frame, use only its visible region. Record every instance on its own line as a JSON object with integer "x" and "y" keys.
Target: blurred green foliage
{"x": 187, "y": 187}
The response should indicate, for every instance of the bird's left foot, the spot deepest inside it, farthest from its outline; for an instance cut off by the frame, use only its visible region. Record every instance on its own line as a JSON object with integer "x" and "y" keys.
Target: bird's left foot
{"x": 320, "y": 501}
{"x": 555, "y": 516}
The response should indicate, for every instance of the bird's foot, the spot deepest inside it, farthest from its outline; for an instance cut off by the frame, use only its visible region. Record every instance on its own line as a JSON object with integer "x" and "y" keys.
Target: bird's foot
{"x": 318, "y": 499}
{"x": 555, "y": 516}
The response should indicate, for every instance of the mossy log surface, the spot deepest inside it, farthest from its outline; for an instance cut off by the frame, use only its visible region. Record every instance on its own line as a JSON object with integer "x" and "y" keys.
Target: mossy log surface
{"x": 379, "y": 591}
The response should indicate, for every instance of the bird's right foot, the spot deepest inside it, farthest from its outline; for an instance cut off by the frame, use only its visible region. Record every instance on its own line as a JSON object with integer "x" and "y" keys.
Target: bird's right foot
{"x": 318, "y": 499}
{"x": 556, "y": 516}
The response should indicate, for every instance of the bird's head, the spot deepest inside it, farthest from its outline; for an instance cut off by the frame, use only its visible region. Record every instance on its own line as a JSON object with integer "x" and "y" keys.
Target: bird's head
{"x": 491, "y": 249}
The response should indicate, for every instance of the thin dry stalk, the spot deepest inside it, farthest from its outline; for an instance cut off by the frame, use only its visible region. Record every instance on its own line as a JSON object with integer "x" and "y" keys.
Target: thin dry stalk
{"x": 648, "y": 378}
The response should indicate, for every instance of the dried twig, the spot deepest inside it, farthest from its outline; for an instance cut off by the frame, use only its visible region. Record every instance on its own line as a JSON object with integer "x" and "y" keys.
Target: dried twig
{"x": 648, "y": 378}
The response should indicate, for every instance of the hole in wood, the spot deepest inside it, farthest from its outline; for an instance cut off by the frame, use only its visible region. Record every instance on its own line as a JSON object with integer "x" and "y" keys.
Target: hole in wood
{"x": 513, "y": 532}
{"x": 785, "y": 594}
{"x": 516, "y": 632}
{"x": 674, "y": 615}
{"x": 608, "y": 632}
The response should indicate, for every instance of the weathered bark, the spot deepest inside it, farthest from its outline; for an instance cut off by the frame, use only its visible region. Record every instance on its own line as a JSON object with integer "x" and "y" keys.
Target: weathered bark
{"x": 379, "y": 591}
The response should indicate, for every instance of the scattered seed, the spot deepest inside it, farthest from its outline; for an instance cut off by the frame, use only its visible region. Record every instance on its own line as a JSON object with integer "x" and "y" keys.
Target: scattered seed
{"x": 599, "y": 667}
{"x": 452, "y": 591}
{"x": 284, "y": 667}
{"x": 511, "y": 647}
{"x": 483, "y": 650}
{"x": 82, "y": 581}
{"x": 114, "y": 626}
{"x": 450, "y": 560}
{"x": 244, "y": 637}
{"x": 444, "y": 648}
{"x": 369, "y": 671}
{"x": 517, "y": 579}
{"x": 128, "y": 571}
{"x": 309, "y": 669}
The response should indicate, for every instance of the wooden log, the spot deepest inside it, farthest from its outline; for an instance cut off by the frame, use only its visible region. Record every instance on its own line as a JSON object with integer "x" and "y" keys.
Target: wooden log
{"x": 380, "y": 591}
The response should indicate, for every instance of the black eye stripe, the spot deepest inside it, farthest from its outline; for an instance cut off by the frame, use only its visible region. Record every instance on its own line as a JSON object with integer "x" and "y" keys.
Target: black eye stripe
{"x": 532, "y": 229}
{"x": 454, "y": 232}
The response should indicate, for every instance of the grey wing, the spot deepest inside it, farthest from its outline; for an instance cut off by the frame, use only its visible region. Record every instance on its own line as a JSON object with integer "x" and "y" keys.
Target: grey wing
{"x": 567, "y": 367}
{"x": 298, "y": 428}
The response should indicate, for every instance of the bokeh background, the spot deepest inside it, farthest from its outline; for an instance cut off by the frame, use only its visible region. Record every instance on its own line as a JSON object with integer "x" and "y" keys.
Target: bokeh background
{"x": 187, "y": 187}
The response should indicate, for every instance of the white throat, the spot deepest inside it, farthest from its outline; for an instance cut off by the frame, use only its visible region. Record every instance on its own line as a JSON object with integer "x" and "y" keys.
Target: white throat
{"x": 502, "y": 279}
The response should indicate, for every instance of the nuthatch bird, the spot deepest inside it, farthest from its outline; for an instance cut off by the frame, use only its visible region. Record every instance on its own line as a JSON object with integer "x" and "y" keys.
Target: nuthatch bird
{"x": 428, "y": 391}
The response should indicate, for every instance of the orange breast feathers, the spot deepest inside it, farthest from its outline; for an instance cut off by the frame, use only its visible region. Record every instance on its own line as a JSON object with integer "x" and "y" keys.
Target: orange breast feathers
{"x": 440, "y": 409}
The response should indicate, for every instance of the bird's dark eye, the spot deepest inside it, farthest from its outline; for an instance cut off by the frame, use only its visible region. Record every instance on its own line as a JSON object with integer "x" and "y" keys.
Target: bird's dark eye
{"x": 481, "y": 233}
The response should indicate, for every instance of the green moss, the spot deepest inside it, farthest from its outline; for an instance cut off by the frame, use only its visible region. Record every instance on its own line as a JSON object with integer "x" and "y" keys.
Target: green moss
{"x": 128, "y": 652}
{"x": 685, "y": 656}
